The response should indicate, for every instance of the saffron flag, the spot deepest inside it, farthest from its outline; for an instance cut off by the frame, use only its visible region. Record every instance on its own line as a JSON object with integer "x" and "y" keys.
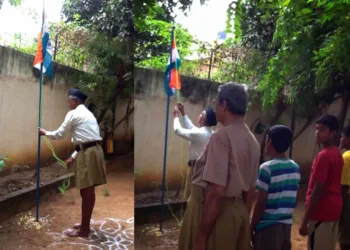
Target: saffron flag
{"x": 172, "y": 76}
{"x": 43, "y": 54}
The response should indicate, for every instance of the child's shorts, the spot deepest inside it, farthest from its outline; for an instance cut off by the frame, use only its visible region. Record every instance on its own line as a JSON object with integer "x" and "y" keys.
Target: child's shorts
{"x": 275, "y": 237}
{"x": 322, "y": 235}
{"x": 344, "y": 223}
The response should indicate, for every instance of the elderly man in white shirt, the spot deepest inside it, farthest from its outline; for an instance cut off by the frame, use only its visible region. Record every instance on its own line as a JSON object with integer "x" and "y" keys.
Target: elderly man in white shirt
{"x": 197, "y": 137}
{"x": 88, "y": 157}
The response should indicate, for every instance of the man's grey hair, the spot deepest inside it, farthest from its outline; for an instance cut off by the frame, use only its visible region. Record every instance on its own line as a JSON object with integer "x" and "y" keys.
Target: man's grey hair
{"x": 236, "y": 97}
{"x": 75, "y": 98}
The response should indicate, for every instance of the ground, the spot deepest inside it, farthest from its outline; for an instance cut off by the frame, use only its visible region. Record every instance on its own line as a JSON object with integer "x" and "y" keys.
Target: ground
{"x": 21, "y": 178}
{"x": 113, "y": 219}
{"x": 148, "y": 236}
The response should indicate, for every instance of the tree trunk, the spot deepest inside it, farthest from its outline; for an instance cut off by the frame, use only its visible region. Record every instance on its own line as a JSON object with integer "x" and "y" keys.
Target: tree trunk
{"x": 304, "y": 127}
{"x": 345, "y": 99}
{"x": 309, "y": 120}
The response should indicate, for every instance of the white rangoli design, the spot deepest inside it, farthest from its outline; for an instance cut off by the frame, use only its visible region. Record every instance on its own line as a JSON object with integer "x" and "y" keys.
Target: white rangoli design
{"x": 108, "y": 234}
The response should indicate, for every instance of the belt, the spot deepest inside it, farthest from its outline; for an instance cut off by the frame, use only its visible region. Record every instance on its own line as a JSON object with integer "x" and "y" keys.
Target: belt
{"x": 191, "y": 163}
{"x": 84, "y": 146}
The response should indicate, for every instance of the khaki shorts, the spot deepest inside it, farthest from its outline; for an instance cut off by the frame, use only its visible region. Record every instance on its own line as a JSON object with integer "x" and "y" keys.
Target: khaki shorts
{"x": 232, "y": 228}
{"x": 344, "y": 223}
{"x": 90, "y": 168}
{"x": 322, "y": 235}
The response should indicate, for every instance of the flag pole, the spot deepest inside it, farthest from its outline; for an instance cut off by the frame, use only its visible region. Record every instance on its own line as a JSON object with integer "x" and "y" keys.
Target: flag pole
{"x": 166, "y": 137}
{"x": 39, "y": 126}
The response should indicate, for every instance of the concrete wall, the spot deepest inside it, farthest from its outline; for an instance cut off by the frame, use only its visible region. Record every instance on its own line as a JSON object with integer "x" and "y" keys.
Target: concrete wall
{"x": 19, "y": 98}
{"x": 150, "y": 110}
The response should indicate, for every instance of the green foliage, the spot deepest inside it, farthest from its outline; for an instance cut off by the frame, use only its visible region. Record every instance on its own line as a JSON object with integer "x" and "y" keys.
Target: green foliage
{"x": 72, "y": 43}
{"x": 98, "y": 40}
{"x": 106, "y": 192}
{"x": 234, "y": 15}
{"x": 14, "y": 3}
{"x": 245, "y": 58}
{"x": 114, "y": 17}
{"x": 64, "y": 186}
{"x": 153, "y": 21}
{"x": 136, "y": 173}
{"x": 313, "y": 52}
{"x": 28, "y": 48}
{"x": 3, "y": 162}
{"x": 303, "y": 47}
{"x": 159, "y": 59}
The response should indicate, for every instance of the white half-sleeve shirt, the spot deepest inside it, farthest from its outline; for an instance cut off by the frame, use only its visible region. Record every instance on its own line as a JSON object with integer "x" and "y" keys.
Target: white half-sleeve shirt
{"x": 81, "y": 123}
{"x": 197, "y": 137}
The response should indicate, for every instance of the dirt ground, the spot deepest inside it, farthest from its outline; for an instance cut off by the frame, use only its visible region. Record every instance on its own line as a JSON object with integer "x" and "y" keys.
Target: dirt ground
{"x": 21, "y": 178}
{"x": 112, "y": 227}
{"x": 148, "y": 236}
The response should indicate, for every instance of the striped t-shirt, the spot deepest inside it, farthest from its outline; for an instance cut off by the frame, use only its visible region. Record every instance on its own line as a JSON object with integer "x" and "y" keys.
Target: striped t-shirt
{"x": 280, "y": 179}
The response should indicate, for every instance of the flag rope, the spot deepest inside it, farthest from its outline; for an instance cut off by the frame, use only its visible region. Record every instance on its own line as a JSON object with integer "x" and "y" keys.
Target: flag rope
{"x": 49, "y": 144}
{"x": 182, "y": 169}
{"x": 66, "y": 182}
{"x": 183, "y": 180}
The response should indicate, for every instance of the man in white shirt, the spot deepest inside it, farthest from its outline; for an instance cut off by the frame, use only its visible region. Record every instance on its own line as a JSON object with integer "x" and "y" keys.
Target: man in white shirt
{"x": 88, "y": 157}
{"x": 197, "y": 136}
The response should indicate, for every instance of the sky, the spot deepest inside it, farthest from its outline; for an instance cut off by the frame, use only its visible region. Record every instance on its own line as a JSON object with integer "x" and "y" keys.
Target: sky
{"x": 205, "y": 21}
{"x": 202, "y": 21}
{"x": 20, "y": 19}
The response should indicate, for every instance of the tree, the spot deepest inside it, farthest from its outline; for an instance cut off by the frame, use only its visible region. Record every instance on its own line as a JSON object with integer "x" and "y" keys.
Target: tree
{"x": 153, "y": 21}
{"x": 113, "y": 17}
{"x": 313, "y": 55}
{"x": 99, "y": 35}
{"x": 159, "y": 59}
{"x": 305, "y": 56}
{"x": 14, "y": 3}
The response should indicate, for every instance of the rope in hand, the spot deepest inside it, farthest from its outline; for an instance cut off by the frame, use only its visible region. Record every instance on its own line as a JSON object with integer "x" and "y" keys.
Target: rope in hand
{"x": 66, "y": 182}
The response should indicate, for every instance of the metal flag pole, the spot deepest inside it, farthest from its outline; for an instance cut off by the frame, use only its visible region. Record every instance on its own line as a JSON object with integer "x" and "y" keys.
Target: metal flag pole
{"x": 39, "y": 126}
{"x": 166, "y": 137}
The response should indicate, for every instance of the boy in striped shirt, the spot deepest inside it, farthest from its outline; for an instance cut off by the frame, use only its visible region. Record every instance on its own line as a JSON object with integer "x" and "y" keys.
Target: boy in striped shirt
{"x": 278, "y": 183}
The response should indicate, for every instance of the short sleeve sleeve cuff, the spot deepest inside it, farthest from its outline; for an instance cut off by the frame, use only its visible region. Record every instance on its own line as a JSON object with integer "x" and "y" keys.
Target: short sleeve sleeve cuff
{"x": 264, "y": 178}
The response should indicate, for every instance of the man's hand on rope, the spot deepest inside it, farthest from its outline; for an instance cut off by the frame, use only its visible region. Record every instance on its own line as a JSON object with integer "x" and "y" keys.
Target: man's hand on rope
{"x": 181, "y": 108}
{"x": 176, "y": 112}
{"x": 69, "y": 162}
{"x": 42, "y": 131}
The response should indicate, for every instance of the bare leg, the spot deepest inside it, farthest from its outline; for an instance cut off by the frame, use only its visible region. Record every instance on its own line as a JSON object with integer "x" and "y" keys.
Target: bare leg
{"x": 87, "y": 207}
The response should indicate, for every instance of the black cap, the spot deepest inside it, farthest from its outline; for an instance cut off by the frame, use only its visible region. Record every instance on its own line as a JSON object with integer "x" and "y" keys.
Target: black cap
{"x": 210, "y": 117}
{"x": 78, "y": 93}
